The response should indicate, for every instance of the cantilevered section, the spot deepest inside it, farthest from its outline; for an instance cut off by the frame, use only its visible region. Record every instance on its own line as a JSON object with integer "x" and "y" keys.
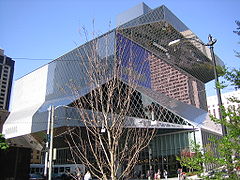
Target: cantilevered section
{"x": 156, "y": 28}
{"x": 156, "y": 36}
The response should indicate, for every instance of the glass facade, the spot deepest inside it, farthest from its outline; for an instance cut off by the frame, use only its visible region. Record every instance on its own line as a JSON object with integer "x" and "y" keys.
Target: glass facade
{"x": 76, "y": 67}
{"x": 162, "y": 151}
{"x": 132, "y": 44}
{"x": 160, "y": 154}
{"x": 207, "y": 139}
{"x": 134, "y": 57}
{"x": 169, "y": 80}
{"x": 69, "y": 76}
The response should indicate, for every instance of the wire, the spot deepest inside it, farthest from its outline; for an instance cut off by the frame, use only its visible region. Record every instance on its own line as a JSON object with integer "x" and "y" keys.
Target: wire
{"x": 32, "y": 59}
{"x": 53, "y": 60}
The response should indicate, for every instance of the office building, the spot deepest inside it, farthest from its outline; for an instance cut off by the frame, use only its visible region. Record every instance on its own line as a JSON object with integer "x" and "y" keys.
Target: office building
{"x": 169, "y": 78}
{"x": 212, "y": 102}
{"x": 213, "y": 107}
{"x": 6, "y": 77}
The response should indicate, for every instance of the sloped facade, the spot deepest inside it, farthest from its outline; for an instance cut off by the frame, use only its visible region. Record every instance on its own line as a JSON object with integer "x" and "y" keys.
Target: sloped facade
{"x": 171, "y": 78}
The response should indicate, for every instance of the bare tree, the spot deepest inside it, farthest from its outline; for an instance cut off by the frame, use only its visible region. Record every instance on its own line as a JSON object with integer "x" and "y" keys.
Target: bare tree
{"x": 108, "y": 141}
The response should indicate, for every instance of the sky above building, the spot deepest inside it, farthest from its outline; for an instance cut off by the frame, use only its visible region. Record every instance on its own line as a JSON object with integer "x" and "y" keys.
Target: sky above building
{"x": 35, "y": 32}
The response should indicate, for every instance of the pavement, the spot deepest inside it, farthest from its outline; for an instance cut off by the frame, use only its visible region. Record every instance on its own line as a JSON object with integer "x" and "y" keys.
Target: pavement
{"x": 176, "y": 178}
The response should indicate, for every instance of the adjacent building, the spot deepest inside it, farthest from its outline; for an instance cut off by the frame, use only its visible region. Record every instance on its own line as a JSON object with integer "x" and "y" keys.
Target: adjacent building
{"x": 169, "y": 78}
{"x": 212, "y": 101}
{"x": 6, "y": 78}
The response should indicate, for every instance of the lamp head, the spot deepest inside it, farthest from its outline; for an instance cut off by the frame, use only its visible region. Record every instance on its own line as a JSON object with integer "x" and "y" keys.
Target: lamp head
{"x": 211, "y": 40}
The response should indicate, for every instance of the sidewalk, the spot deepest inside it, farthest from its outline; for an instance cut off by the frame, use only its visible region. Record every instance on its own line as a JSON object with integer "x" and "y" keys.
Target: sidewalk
{"x": 175, "y": 178}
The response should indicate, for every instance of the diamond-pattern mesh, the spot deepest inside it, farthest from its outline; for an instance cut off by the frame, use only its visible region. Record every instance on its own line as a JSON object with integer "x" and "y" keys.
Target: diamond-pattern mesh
{"x": 141, "y": 106}
{"x": 156, "y": 37}
{"x": 72, "y": 67}
{"x": 152, "y": 16}
{"x": 153, "y": 72}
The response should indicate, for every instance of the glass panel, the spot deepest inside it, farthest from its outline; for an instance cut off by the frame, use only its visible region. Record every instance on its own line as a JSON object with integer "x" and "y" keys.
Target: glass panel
{"x": 61, "y": 169}
{"x": 55, "y": 170}
{"x": 67, "y": 169}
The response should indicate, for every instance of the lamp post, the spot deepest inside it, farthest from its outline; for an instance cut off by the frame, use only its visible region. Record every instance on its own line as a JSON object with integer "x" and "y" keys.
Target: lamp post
{"x": 49, "y": 143}
{"x": 150, "y": 159}
{"x": 210, "y": 44}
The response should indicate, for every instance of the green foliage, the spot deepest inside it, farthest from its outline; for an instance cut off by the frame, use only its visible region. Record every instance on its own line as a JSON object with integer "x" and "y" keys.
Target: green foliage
{"x": 3, "y": 144}
{"x": 233, "y": 76}
{"x": 228, "y": 147}
{"x": 192, "y": 158}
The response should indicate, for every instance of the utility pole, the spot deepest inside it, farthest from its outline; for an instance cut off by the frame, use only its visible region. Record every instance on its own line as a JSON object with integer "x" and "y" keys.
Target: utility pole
{"x": 47, "y": 142}
{"x": 51, "y": 145}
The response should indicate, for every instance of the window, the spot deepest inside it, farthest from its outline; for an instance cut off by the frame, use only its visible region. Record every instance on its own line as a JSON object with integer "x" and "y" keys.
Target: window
{"x": 61, "y": 169}
{"x": 37, "y": 170}
{"x": 67, "y": 169}
{"x": 55, "y": 170}
{"x": 32, "y": 170}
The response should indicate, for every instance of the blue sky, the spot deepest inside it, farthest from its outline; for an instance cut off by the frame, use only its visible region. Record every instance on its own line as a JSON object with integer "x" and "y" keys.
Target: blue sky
{"x": 44, "y": 29}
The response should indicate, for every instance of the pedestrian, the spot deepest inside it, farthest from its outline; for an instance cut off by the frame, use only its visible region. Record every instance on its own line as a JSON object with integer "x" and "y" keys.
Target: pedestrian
{"x": 165, "y": 174}
{"x": 179, "y": 172}
{"x": 184, "y": 175}
{"x": 87, "y": 176}
{"x": 155, "y": 176}
{"x": 79, "y": 176}
{"x": 149, "y": 174}
{"x": 159, "y": 174}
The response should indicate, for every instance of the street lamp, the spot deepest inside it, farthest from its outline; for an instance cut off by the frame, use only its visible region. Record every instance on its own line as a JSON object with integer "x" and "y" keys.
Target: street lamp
{"x": 150, "y": 159}
{"x": 210, "y": 44}
{"x": 49, "y": 143}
